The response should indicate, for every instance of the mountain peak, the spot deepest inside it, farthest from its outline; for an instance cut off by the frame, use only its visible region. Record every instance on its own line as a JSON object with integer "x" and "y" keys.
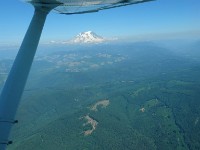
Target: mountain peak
{"x": 88, "y": 37}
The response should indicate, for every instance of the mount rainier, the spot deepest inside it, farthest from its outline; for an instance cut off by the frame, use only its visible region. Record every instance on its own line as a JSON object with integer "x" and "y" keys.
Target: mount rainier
{"x": 87, "y": 37}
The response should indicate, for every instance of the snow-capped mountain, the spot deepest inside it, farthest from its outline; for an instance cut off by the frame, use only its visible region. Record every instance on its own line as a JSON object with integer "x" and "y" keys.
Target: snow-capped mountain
{"x": 88, "y": 37}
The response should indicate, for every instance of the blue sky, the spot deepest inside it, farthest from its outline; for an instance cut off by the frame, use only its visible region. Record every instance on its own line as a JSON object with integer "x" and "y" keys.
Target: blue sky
{"x": 157, "y": 17}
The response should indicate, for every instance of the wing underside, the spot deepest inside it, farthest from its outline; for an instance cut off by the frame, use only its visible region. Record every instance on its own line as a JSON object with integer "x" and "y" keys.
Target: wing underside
{"x": 84, "y": 6}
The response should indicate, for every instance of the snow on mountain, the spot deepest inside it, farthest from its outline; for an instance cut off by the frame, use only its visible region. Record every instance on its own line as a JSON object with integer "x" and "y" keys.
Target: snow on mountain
{"x": 88, "y": 37}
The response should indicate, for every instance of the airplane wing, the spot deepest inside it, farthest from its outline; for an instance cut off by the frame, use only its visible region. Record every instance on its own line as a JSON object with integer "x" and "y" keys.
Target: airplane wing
{"x": 69, "y": 7}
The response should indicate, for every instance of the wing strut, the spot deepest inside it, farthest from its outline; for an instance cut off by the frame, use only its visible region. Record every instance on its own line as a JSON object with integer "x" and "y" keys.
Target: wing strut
{"x": 15, "y": 83}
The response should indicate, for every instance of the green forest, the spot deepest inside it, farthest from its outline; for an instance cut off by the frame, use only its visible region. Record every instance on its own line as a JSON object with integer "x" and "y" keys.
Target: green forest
{"x": 132, "y": 96}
